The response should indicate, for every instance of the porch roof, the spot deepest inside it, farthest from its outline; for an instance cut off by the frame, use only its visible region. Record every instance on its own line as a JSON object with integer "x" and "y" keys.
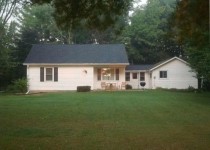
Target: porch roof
{"x": 139, "y": 67}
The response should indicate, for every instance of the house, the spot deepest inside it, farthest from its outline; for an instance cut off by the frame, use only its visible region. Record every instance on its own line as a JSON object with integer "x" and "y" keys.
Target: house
{"x": 172, "y": 73}
{"x": 64, "y": 67}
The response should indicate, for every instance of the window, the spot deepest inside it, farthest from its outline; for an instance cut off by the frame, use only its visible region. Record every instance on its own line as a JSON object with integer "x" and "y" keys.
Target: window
{"x": 127, "y": 76}
{"x": 107, "y": 73}
{"x": 49, "y": 75}
{"x": 135, "y": 75}
{"x": 142, "y": 76}
{"x": 117, "y": 73}
{"x": 163, "y": 74}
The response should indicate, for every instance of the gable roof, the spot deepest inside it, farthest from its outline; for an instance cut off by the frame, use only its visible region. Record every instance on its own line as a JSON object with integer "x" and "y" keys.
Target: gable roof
{"x": 153, "y": 67}
{"x": 139, "y": 67}
{"x": 77, "y": 54}
{"x": 167, "y": 61}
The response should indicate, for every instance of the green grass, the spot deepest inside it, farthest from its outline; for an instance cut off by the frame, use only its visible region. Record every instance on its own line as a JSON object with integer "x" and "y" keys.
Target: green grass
{"x": 150, "y": 120}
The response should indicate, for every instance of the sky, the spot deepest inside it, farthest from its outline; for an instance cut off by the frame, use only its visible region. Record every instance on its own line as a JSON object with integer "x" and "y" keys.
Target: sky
{"x": 138, "y": 3}
{"x": 142, "y": 2}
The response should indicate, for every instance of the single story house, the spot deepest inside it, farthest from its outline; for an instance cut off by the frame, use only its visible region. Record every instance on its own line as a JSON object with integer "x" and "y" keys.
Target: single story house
{"x": 53, "y": 67}
{"x": 172, "y": 73}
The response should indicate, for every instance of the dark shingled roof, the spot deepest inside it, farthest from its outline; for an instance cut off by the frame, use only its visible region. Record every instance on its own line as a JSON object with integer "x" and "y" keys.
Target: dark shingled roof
{"x": 87, "y": 53}
{"x": 139, "y": 67}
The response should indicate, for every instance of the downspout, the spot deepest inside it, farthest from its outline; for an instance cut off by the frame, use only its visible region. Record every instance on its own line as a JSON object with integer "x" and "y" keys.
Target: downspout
{"x": 27, "y": 92}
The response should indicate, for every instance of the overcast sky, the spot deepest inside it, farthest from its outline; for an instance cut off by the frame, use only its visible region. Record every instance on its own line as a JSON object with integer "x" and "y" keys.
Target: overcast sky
{"x": 138, "y": 3}
{"x": 143, "y": 2}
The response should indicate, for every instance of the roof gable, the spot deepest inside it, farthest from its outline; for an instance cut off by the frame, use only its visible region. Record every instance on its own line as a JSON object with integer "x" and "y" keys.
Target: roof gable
{"x": 166, "y": 62}
{"x": 77, "y": 54}
{"x": 153, "y": 67}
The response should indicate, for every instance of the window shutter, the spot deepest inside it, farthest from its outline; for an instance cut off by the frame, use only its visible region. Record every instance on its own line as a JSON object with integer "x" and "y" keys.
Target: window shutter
{"x": 41, "y": 74}
{"x": 99, "y": 74}
{"x": 55, "y": 74}
{"x": 117, "y": 74}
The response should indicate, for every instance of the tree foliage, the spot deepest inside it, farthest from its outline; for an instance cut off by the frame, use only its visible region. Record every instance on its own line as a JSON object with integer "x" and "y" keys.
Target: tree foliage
{"x": 7, "y": 9}
{"x": 93, "y": 13}
{"x": 7, "y": 58}
{"x": 190, "y": 25}
{"x": 146, "y": 37}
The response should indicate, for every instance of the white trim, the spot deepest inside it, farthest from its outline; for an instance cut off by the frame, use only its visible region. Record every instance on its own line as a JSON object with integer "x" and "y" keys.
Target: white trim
{"x": 76, "y": 64}
{"x": 167, "y": 61}
{"x": 45, "y": 74}
{"x": 163, "y": 77}
{"x": 137, "y": 70}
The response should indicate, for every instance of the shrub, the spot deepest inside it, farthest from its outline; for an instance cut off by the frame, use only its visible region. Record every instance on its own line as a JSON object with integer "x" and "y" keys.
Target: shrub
{"x": 191, "y": 89}
{"x": 128, "y": 87}
{"x": 83, "y": 88}
{"x": 18, "y": 86}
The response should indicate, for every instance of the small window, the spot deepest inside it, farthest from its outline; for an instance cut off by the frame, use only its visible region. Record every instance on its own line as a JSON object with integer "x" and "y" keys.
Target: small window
{"x": 49, "y": 75}
{"x": 142, "y": 76}
{"x": 127, "y": 76}
{"x": 135, "y": 75}
{"x": 163, "y": 74}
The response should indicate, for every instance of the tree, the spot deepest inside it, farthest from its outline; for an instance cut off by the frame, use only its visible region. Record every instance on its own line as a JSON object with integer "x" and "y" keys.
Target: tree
{"x": 147, "y": 33}
{"x": 7, "y": 8}
{"x": 7, "y": 61}
{"x": 94, "y": 14}
{"x": 190, "y": 25}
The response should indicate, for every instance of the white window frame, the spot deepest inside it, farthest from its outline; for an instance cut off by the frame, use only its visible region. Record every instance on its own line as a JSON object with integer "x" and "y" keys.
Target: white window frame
{"x": 45, "y": 74}
{"x": 114, "y": 74}
{"x": 127, "y": 73}
{"x": 136, "y": 77}
{"x": 163, "y": 75}
{"x": 140, "y": 76}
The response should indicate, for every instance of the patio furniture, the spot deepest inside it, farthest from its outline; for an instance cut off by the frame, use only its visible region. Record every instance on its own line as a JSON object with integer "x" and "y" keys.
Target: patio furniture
{"x": 103, "y": 85}
{"x": 123, "y": 84}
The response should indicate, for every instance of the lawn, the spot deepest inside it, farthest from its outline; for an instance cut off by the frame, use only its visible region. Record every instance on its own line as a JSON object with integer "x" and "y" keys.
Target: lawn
{"x": 153, "y": 120}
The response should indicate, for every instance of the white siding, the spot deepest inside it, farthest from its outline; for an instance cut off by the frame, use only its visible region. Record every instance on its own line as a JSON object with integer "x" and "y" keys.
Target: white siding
{"x": 69, "y": 78}
{"x": 179, "y": 76}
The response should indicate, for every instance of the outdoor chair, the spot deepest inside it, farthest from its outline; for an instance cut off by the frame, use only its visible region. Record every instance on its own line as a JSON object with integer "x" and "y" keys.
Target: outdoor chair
{"x": 123, "y": 85}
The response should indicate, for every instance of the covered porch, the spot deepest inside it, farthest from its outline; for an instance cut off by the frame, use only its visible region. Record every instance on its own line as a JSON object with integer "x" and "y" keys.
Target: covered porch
{"x": 109, "y": 78}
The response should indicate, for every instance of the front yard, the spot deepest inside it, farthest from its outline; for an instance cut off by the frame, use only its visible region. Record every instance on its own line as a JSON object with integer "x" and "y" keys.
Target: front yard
{"x": 106, "y": 120}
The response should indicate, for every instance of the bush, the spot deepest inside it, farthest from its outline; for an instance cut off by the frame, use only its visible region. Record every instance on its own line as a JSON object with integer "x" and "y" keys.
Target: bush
{"x": 128, "y": 87}
{"x": 18, "y": 86}
{"x": 83, "y": 88}
{"x": 191, "y": 89}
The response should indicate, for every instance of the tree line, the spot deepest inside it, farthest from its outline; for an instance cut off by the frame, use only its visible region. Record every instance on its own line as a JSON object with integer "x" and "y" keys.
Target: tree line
{"x": 154, "y": 32}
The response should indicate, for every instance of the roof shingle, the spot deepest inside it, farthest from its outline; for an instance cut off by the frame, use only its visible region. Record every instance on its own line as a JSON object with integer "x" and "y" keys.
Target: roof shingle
{"x": 139, "y": 67}
{"x": 78, "y": 54}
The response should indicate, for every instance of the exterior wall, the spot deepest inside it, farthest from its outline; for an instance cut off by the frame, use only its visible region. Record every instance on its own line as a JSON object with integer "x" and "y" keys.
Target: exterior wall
{"x": 179, "y": 76}
{"x": 69, "y": 77}
{"x": 97, "y": 84}
{"x": 135, "y": 83}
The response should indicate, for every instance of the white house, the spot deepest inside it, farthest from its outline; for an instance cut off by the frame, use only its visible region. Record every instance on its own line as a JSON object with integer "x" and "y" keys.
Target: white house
{"x": 172, "y": 73}
{"x": 64, "y": 67}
